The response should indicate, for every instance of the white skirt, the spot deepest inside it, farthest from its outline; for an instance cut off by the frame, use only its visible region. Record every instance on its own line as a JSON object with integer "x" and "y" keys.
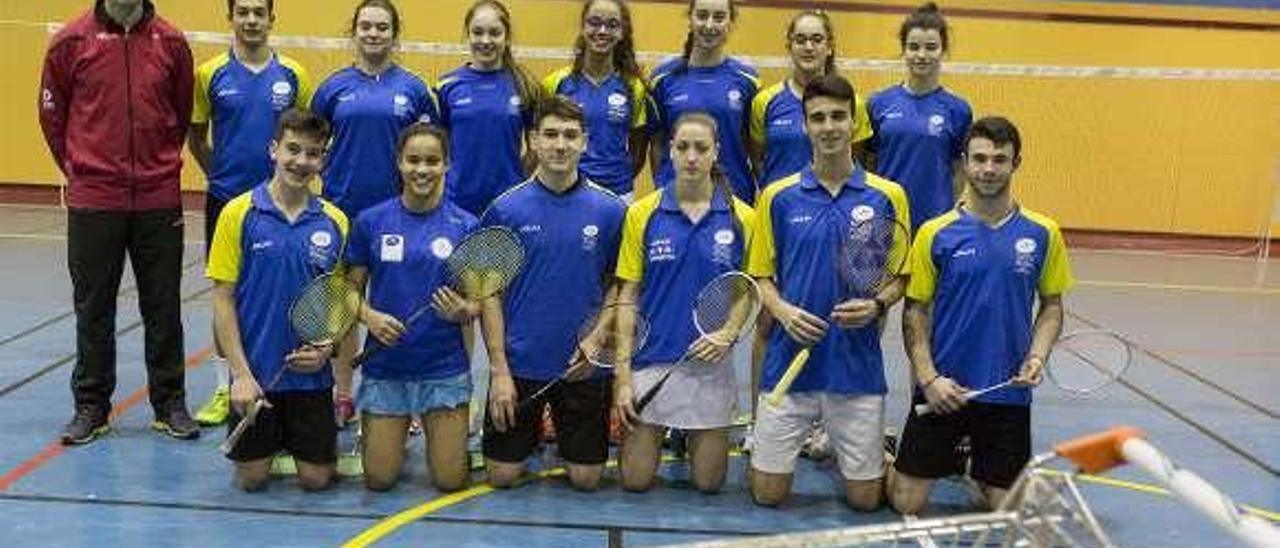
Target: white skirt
{"x": 698, "y": 396}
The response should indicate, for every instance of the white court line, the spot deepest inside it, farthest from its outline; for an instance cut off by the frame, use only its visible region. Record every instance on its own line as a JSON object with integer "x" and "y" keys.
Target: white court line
{"x": 1181, "y": 287}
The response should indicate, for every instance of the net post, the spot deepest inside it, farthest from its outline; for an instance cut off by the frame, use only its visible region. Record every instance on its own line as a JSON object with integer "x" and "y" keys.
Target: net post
{"x": 1268, "y": 229}
{"x": 1098, "y": 452}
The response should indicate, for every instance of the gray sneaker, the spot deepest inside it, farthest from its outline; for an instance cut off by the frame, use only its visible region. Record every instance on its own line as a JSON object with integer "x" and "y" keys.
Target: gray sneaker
{"x": 88, "y": 424}
{"x": 177, "y": 423}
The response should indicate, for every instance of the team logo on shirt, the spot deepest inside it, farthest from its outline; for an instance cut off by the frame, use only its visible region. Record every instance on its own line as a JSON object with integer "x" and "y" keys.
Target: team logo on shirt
{"x": 46, "y": 99}
{"x": 281, "y": 95}
{"x": 862, "y": 213}
{"x": 617, "y": 107}
{"x": 662, "y": 249}
{"x": 935, "y": 124}
{"x": 721, "y": 252}
{"x": 513, "y": 105}
{"x": 401, "y": 104}
{"x": 590, "y": 234}
{"x": 735, "y": 99}
{"x": 442, "y": 248}
{"x": 321, "y": 249}
{"x": 1025, "y": 259}
{"x": 391, "y": 248}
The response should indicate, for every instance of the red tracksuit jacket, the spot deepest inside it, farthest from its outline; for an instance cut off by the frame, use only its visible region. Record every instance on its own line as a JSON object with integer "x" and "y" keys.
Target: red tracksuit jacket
{"x": 114, "y": 107}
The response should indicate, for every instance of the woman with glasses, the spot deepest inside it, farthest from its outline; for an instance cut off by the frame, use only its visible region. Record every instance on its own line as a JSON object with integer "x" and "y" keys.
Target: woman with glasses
{"x": 606, "y": 82}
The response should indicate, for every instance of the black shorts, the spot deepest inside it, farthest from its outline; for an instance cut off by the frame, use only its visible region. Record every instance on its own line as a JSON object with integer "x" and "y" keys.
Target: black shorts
{"x": 299, "y": 423}
{"x": 212, "y": 208}
{"x": 1000, "y": 437}
{"x": 581, "y": 414}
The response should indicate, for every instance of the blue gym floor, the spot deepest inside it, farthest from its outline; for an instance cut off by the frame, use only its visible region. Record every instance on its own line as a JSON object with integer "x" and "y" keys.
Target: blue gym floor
{"x": 135, "y": 488}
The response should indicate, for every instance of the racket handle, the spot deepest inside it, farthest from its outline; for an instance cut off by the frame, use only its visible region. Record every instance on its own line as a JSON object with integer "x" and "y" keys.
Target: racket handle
{"x": 774, "y": 399}
{"x": 925, "y": 409}
{"x": 243, "y": 426}
{"x": 653, "y": 391}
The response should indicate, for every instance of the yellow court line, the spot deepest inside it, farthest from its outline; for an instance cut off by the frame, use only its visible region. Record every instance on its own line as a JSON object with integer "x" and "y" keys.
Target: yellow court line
{"x": 1160, "y": 491}
{"x": 405, "y": 517}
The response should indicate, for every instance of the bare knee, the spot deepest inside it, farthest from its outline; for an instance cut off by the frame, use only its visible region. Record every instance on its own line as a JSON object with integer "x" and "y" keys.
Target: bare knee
{"x": 585, "y": 477}
{"x": 770, "y": 489}
{"x": 378, "y": 482}
{"x": 451, "y": 481}
{"x": 315, "y": 480}
{"x": 636, "y": 481}
{"x": 709, "y": 481}
{"x": 908, "y": 494}
{"x": 503, "y": 475}
{"x": 864, "y": 496}
{"x": 252, "y": 476}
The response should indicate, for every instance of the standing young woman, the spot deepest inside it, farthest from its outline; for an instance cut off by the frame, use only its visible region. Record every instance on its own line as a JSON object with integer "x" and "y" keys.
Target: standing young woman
{"x": 368, "y": 104}
{"x": 487, "y": 104}
{"x": 607, "y": 83}
{"x": 777, "y": 116}
{"x": 398, "y": 250}
{"x": 705, "y": 79}
{"x": 701, "y": 231}
{"x": 919, "y": 125}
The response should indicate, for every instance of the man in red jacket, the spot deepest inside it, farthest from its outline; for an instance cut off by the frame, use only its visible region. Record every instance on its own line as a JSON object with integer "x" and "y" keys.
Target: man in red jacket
{"x": 115, "y": 103}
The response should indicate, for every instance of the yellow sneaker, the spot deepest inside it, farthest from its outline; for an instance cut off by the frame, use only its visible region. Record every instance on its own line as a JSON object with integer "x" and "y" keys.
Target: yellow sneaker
{"x": 215, "y": 410}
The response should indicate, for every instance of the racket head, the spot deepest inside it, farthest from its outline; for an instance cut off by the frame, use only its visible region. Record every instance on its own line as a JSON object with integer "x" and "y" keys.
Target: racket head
{"x": 872, "y": 254}
{"x": 599, "y": 335}
{"x": 326, "y": 309}
{"x": 485, "y": 262}
{"x": 726, "y": 307}
{"x": 1083, "y": 362}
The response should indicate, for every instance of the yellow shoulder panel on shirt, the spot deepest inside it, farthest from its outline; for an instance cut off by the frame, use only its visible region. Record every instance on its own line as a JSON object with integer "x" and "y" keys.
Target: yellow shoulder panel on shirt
{"x": 862, "y": 129}
{"x": 225, "y": 252}
{"x": 761, "y": 254}
{"x": 640, "y": 98}
{"x": 1055, "y": 277}
{"x": 305, "y": 90}
{"x": 552, "y": 82}
{"x": 760, "y": 108}
{"x": 924, "y": 274}
{"x": 631, "y": 251}
{"x": 203, "y": 108}
{"x": 901, "y": 211}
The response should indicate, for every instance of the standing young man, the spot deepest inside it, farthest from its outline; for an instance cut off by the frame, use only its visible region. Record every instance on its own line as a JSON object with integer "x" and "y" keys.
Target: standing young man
{"x": 977, "y": 271}
{"x": 571, "y": 229}
{"x": 241, "y": 94}
{"x": 801, "y": 221}
{"x": 115, "y": 102}
{"x": 269, "y": 243}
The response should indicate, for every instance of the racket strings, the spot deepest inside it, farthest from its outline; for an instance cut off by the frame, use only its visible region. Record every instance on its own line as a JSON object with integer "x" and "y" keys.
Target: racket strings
{"x": 485, "y": 262}
{"x": 600, "y": 337}
{"x": 325, "y": 310}
{"x": 726, "y": 308}
{"x": 1084, "y": 362}
{"x": 872, "y": 254}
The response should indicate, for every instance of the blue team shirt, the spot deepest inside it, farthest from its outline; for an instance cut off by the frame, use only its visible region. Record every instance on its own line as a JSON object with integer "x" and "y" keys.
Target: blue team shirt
{"x": 983, "y": 282}
{"x": 571, "y": 243}
{"x": 724, "y": 91}
{"x": 405, "y": 253}
{"x": 799, "y": 227}
{"x": 486, "y": 122}
{"x": 270, "y": 260}
{"x": 673, "y": 258}
{"x": 242, "y": 108}
{"x": 917, "y": 140}
{"x": 367, "y": 114}
{"x": 612, "y": 109}
{"x": 777, "y": 126}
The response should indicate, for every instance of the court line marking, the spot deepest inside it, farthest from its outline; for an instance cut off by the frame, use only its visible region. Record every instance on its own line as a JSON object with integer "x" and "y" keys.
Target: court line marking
{"x": 30, "y": 378}
{"x": 1181, "y": 287}
{"x": 55, "y": 448}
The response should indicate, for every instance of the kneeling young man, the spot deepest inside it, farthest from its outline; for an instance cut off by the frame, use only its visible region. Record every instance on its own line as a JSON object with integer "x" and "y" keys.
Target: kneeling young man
{"x": 977, "y": 271}
{"x": 269, "y": 243}
{"x": 800, "y": 223}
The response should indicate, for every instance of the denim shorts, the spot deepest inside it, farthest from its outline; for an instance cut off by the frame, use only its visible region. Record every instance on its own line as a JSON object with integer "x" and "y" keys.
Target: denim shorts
{"x": 413, "y": 397}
